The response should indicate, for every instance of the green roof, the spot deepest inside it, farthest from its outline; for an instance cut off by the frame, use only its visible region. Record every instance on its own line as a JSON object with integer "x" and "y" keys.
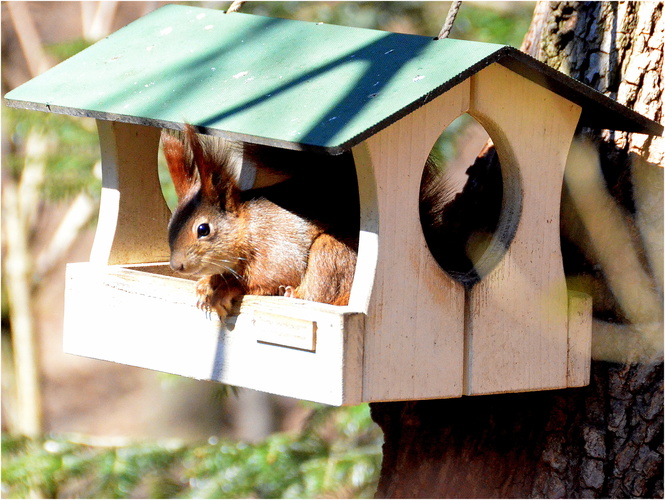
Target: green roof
{"x": 273, "y": 81}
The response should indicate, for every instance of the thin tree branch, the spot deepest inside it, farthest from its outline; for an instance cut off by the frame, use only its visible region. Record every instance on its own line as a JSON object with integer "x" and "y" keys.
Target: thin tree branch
{"x": 28, "y": 37}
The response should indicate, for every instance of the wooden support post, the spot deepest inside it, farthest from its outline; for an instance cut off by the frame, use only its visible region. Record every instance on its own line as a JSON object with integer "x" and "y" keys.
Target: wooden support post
{"x": 579, "y": 339}
{"x": 414, "y": 326}
{"x": 133, "y": 216}
{"x": 517, "y": 317}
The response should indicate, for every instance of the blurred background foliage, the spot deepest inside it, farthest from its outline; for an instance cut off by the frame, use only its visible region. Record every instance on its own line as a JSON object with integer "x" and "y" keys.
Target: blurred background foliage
{"x": 73, "y": 151}
{"x": 338, "y": 455}
{"x": 335, "y": 452}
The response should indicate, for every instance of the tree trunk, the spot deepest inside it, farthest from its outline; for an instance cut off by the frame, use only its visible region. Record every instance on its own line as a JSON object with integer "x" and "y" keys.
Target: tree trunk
{"x": 604, "y": 440}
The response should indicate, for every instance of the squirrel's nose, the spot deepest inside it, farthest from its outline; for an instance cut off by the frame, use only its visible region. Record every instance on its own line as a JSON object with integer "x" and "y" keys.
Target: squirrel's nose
{"x": 177, "y": 264}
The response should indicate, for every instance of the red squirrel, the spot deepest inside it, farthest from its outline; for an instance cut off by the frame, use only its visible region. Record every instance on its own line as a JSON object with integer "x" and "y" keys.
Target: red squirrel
{"x": 297, "y": 238}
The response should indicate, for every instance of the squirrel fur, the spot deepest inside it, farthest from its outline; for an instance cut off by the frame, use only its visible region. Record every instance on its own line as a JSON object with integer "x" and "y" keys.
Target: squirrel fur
{"x": 297, "y": 238}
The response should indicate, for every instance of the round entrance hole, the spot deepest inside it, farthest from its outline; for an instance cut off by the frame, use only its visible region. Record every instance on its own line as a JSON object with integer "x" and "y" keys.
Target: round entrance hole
{"x": 463, "y": 212}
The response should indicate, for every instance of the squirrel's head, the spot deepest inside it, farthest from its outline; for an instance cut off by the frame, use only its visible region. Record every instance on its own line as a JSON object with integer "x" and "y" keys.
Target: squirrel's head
{"x": 203, "y": 231}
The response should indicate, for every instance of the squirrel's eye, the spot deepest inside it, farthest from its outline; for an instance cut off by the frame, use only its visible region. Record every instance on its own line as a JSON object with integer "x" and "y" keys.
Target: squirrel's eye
{"x": 203, "y": 230}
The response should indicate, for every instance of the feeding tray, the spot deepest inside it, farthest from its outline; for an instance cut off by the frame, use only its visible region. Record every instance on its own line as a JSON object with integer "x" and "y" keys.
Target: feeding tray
{"x": 410, "y": 331}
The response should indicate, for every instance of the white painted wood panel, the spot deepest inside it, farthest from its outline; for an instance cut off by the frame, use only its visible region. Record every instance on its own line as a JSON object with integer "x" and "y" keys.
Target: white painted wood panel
{"x": 147, "y": 320}
{"x": 517, "y": 322}
{"x": 414, "y": 330}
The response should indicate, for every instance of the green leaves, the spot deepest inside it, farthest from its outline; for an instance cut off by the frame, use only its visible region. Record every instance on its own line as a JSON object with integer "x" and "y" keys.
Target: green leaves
{"x": 56, "y": 467}
{"x": 339, "y": 456}
{"x": 324, "y": 460}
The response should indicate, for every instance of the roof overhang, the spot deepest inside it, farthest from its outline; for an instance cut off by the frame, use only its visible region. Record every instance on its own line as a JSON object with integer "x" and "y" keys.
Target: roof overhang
{"x": 279, "y": 82}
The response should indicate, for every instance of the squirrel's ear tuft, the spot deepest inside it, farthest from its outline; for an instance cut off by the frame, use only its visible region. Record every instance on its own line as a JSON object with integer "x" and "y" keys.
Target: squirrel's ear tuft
{"x": 204, "y": 164}
{"x": 180, "y": 165}
{"x": 218, "y": 185}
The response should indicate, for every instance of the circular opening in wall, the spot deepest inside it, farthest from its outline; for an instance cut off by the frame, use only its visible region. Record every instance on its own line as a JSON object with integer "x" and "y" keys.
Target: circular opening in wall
{"x": 462, "y": 208}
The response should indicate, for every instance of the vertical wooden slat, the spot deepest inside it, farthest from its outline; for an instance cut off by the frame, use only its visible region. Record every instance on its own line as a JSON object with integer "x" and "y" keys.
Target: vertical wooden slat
{"x": 133, "y": 215}
{"x": 517, "y": 336}
{"x": 414, "y": 328}
{"x": 579, "y": 339}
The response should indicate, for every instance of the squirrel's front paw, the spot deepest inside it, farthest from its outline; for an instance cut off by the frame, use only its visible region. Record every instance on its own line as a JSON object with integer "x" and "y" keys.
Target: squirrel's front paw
{"x": 215, "y": 293}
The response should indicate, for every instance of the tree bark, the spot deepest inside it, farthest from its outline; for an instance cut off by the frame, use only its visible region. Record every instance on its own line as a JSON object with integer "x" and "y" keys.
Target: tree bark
{"x": 601, "y": 441}
{"x": 604, "y": 440}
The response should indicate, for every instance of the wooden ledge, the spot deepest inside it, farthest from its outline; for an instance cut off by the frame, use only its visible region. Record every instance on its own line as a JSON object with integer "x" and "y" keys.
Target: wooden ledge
{"x": 141, "y": 316}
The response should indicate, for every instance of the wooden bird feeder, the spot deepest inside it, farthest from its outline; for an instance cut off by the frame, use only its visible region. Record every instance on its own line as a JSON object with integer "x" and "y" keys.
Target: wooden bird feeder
{"x": 410, "y": 331}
